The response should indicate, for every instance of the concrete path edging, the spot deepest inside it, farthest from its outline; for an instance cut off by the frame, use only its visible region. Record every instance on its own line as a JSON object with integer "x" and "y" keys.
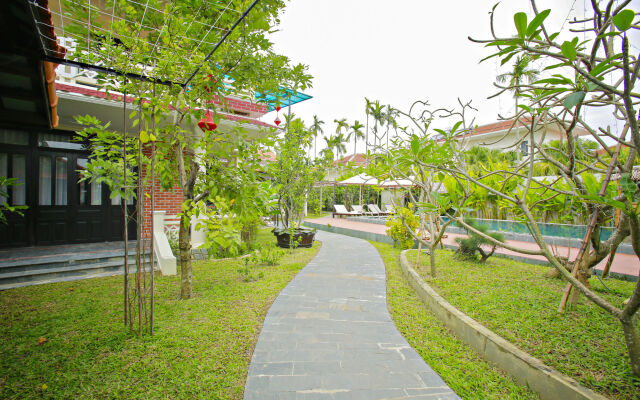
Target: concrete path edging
{"x": 527, "y": 370}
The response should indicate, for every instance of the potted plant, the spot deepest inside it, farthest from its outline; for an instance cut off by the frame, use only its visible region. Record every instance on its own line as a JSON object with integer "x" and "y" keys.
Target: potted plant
{"x": 294, "y": 174}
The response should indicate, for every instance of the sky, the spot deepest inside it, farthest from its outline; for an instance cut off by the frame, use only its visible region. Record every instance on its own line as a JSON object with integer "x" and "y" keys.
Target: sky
{"x": 401, "y": 51}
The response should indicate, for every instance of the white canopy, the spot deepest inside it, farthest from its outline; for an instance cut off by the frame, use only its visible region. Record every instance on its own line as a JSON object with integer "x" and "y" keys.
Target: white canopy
{"x": 361, "y": 179}
{"x": 364, "y": 179}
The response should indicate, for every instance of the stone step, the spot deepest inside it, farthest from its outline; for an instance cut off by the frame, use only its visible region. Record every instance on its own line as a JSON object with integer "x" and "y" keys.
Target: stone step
{"x": 47, "y": 271}
{"x": 75, "y": 277}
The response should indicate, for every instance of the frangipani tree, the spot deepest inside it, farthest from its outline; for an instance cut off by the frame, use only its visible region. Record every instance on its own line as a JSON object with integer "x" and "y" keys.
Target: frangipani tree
{"x": 594, "y": 71}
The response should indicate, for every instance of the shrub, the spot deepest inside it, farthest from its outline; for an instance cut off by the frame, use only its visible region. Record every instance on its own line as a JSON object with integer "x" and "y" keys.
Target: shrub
{"x": 471, "y": 246}
{"x": 401, "y": 236}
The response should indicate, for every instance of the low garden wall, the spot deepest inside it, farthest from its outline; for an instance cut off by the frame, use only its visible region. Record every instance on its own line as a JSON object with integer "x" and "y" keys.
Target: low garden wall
{"x": 527, "y": 370}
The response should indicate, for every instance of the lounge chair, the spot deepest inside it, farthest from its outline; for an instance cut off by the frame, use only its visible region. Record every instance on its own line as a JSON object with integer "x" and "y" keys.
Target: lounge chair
{"x": 390, "y": 208}
{"x": 341, "y": 210}
{"x": 374, "y": 209}
{"x": 361, "y": 210}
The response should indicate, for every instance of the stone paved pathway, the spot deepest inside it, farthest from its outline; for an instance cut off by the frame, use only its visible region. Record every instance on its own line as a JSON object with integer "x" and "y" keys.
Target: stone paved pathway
{"x": 329, "y": 335}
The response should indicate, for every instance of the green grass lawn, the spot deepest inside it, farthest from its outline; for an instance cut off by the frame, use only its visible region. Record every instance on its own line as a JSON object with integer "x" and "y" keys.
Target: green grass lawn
{"x": 516, "y": 301}
{"x": 461, "y": 368}
{"x": 318, "y": 215}
{"x": 201, "y": 347}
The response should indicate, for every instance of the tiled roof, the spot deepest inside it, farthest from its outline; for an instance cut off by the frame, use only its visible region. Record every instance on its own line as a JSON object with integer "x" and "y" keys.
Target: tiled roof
{"x": 268, "y": 156}
{"x": 509, "y": 124}
{"x": 87, "y": 91}
{"x": 51, "y": 42}
{"x": 356, "y": 159}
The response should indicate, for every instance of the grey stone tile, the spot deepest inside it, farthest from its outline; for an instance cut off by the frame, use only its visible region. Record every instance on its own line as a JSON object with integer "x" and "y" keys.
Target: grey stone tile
{"x": 278, "y": 368}
{"x": 329, "y": 335}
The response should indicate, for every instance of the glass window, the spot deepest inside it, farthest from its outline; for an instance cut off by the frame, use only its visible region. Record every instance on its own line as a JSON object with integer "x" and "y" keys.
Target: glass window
{"x": 59, "y": 141}
{"x": 81, "y": 165}
{"x": 90, "y": 193}
{"x": 4, "y": 170}
{"x": 61, "y": 181}
{"x": 44, "y": 181}
{"x": 116, "y": 201}
{"x": 19, "y": 171}
{"x": 11, "y": 136}
{"x": 96, "y": 193}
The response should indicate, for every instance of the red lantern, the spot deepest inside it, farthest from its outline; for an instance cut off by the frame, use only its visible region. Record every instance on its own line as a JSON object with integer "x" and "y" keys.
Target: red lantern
{"x": 277, "y": 121}
{"x": 202, "y": 124}
{"x": 278, "y": 108}
{"x": 207, "y": 123}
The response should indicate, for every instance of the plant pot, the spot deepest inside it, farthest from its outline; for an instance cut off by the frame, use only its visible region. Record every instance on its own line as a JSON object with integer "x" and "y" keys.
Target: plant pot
{"x": 304, "y": 237}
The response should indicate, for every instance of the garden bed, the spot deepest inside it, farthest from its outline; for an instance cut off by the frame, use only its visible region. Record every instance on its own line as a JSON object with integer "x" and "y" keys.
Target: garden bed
{"x": 517, "y": 302}
{"x": 201, "y": 347}
{"x": 459, "y": 365}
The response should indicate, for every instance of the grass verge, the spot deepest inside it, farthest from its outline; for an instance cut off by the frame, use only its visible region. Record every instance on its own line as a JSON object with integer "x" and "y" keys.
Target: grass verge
{"x": 517, "y": 302}
{"x": 458, "y": 364}
{"x": 201, "y": 348}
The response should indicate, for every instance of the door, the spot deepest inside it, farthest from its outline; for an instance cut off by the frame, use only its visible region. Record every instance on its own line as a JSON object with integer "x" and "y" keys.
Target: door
{"x": 54, "y": 211}
{"x": 90, "y": 217}
{"x": 74, "y": 210}
{"x": 14, "y": 230}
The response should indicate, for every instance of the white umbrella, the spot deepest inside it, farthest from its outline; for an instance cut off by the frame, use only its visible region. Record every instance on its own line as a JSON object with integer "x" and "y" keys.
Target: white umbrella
{"x": 361, "y": 179}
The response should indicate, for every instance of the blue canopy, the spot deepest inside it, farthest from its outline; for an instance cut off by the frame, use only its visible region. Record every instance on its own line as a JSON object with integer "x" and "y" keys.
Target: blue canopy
{"x": 285, "y": 98}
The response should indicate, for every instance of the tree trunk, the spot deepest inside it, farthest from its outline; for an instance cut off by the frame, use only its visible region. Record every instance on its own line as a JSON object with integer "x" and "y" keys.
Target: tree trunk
{"x": 185, "y": 258}
{"x": 632, "y": 340}
{"x": 583, "y": 276}
{"x": 432, "y": 258}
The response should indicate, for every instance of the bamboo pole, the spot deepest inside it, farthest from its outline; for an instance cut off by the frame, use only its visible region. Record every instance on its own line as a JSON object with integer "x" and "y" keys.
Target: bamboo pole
{"x": 123, "y": 202}
{"x": 139, "y": 231}
{"x": 153, "y": 204}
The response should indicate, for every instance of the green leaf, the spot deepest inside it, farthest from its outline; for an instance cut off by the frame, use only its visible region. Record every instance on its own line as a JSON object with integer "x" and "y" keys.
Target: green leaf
{"x": 554, "y": 66}
{"x": 573, "y": 99}
{"x": 415, "y": 145}
{"x": 624, "y": 19}
{"x": 144, "y": 136}
{"x": 536, "y": 22}
{"x": 520, "y": 20}
{"x": 507, "y": 58}
{"x": 554, "y": 81}
{"x": 569, "y": 50}
{"x": 602, "y": 67}
{"x": 628, "y": 187}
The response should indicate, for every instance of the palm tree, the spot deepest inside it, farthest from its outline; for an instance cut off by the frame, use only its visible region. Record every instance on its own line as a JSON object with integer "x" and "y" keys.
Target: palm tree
{"x": 341, "y": 124}
{"x": 356, "y": 131}
{"x": 377, "y": 112}
{"x": 330, "y": 143}
{"x": 390, "y": 120}
{"x": 366, "y": 139}
{"x": 338, "y": 144}
{"x": 520, "y": 74}
{"x": 316, "y": 127}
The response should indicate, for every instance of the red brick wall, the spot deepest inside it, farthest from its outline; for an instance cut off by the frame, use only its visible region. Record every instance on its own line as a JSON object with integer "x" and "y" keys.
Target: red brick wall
{"x": 169, "y": 201}
{"x": 242, "y": 105}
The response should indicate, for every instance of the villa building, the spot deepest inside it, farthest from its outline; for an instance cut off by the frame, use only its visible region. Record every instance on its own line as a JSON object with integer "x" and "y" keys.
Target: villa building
{"x": 38, "y": 103}
{"x": 505, "y": 135}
